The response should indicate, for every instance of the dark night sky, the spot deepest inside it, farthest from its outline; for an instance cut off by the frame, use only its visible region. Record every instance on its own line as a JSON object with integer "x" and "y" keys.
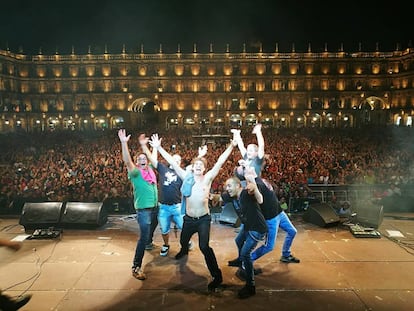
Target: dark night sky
{"x": 50, "y": 25}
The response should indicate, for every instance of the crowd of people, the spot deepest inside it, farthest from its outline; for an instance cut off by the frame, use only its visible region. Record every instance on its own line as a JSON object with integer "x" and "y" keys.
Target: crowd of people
{"x": 88, "y": 167}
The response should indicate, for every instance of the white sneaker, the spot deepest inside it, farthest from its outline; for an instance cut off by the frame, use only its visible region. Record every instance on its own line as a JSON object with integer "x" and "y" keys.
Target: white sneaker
{"x": 190, "y": 245}
{"x": 164, "y": 250}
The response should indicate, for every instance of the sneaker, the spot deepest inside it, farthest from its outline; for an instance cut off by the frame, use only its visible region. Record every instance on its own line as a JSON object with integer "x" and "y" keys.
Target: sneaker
{"x": 190, "y": 245}
{"x": 164, "y": 250}
{"x": 235, "y": 263}
{"x": 289, "y": 259}
{"x": 138, "y": 273}
{"x": 181, "y": 254}
{"x": 149, "y": 247}
{"x": 247, "y": 291}
{"x": 215, "y": 284}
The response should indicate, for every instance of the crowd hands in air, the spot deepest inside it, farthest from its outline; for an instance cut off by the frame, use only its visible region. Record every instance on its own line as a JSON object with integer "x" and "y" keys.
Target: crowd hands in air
{"x": 74, "y": 166}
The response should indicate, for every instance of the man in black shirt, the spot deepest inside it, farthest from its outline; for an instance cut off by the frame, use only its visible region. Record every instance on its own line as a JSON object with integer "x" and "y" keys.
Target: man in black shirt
{"x": 246, "y": 203}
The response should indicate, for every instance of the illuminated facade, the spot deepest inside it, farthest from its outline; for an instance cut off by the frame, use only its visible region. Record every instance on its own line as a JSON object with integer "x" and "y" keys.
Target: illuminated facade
{"x": 205, "y": 90}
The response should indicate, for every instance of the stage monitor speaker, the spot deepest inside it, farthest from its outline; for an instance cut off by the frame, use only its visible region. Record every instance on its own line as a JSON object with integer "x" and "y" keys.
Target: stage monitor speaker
{"x": 322, "y": 215}
{"x": 229, "y": 216}
{"x": 83, "y": 215}
{"x": 40, "y": 215}
{"x": 369, "y": 214}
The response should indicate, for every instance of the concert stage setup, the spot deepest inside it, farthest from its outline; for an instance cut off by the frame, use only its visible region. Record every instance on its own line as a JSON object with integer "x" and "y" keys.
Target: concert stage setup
{"x": 90, "y": 268}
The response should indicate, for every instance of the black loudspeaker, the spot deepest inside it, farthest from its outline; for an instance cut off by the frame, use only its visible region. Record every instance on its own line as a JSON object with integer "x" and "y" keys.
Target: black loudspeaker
{"x": 83, "y": 215}
{"x": 369, "y": 214}
{"x": 229, "y": 216}
{"x": 322, "y": 215}
{"x": 40, "y": 215}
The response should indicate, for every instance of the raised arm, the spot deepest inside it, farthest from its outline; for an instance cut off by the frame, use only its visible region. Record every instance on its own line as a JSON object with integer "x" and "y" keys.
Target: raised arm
{"x": 152, "y": 156}
{"x": 126, "y": 156}
{"x": 220, "y": 161}
{"x": 155, "y": 143}
{"x": 250, "y": 175}
{"x": 260, "y": 140}
{"x": 239, "y": 140}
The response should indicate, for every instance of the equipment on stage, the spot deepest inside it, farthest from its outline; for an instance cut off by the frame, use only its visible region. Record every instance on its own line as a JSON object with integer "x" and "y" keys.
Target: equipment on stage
{"x": 42, "y": 234}
{"x": 321, "y": 214}
{"x": 359, "y": 231}
{"x": 45, "y": 215}
{"x": 229, "y": 216}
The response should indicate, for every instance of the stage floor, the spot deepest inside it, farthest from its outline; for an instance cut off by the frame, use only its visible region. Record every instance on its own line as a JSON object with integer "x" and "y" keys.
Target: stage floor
{"x": 90, "y": 270}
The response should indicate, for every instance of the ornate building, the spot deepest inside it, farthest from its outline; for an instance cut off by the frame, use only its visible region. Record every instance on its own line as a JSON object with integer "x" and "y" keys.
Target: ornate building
{"x": 206, "y": 90}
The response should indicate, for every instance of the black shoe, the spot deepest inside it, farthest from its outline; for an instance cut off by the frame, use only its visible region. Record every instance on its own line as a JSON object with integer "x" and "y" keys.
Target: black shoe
{"x": 289, "y": 259}
{"x": 181, "y": 254}
{"x": 241, "y": 274}
{"x": 9, "y": 304}
{"x": 257, "y": 271}
{"x": 247, "y": 291}
{"x": 235, "y": 263}
{"x": 21, "y": 301}
{"x": 213, "y": 285}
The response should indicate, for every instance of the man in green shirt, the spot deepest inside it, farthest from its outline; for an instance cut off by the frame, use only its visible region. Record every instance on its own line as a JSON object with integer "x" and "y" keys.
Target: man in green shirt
{"x": 144, "y": 183}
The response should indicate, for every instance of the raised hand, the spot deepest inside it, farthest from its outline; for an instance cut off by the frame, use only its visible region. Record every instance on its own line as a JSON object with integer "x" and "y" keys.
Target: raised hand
{"x": 202, "y": 151}
{"x": 122, "y": 136}
{"x": 143, "y": 140}
{"x": 257, "y": 128}
{"x": 236, "y": 136}
{"x": 155, "y": 141}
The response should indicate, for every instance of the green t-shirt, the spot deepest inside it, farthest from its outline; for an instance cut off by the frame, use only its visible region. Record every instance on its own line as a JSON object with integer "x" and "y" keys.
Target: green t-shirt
{"x": 145, "y": 193}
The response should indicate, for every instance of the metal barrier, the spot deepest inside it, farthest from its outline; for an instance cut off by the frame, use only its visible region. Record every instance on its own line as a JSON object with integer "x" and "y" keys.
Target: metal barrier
{"x": 352, "y": 195}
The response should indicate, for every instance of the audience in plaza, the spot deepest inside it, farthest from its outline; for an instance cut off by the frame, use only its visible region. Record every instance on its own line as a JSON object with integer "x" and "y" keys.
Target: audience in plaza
{"x": 88, "y": 167}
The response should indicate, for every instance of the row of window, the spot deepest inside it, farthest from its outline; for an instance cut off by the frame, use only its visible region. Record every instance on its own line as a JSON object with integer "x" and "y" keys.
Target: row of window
{"x": 178, "y": 86}
{"x": 234, "y": 121}
{"x": 205, "y": 70}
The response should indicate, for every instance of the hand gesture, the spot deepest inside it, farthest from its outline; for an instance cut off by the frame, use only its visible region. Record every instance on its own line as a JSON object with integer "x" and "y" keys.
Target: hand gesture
{"x": 122, "y": 136}
{"x": 143, "y": 140}
{"x": 257, "y": 128}
{"x": 202, "y": 151}
{"x": 155, "y": 141}
{"x": 236, "y": 134}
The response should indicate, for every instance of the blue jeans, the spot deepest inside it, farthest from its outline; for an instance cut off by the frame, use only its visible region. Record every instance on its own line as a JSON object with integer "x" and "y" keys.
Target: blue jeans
{"x": 202, "y": 227}
{"x": 282, "y": 220}
{"x": 145, "y": 219}
{"x": 246, "y": 242}
{"x": 168, "y": 213}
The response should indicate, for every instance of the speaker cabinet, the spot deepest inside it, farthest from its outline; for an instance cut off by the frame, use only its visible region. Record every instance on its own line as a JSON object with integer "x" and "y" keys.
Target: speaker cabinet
{"x": 83, "y": 215}
{"x": 322, "y": 215}
{"x": 229, "y": 216}
{"x": 369, "y": 214}
{"x": 40, "y": 215}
